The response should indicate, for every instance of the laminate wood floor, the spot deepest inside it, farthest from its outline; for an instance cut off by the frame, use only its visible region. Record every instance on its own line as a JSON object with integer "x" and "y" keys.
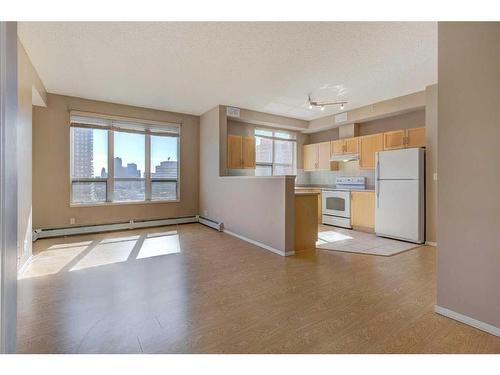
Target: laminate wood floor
{"x": 190, "y": 289}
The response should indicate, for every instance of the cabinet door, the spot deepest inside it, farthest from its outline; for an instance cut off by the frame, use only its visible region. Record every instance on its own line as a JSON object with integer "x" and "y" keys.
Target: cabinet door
{"x": 337, "y": 147}
{"x": 323, "y": 156}
{"x": 310, "y": 157}
{"x": 352, "y": 145}
{"x": 415, "y": 137}
{"x": 369, "y": 145}
{"x": 363, "y": 209}
{"x": 234, "y": 149}
{"x": 249, "y": 152}
{"x": 394, "y": 140}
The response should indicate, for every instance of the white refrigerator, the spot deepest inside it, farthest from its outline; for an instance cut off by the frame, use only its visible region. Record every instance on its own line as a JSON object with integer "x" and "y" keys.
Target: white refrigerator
{"x": 400, "y": 194}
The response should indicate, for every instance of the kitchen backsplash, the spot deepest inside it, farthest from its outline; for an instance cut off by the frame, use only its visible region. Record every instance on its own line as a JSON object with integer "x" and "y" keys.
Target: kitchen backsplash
{"x": 346, "y": 169}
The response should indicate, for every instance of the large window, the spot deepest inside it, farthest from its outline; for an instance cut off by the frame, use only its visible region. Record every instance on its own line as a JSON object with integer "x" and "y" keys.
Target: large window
{"x": 116, "y": 160}
{"x": 275, "y": 153}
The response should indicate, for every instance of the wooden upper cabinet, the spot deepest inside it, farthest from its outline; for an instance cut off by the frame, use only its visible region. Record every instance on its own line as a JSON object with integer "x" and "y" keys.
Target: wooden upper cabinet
{"x": 234, "y": 149}
{"x": 323, "y": 156}
{"x": 369, "y": 145}
{"x": 337, "y": 147}
{"x": 351, "y": 145}
{"x": 415, "y": 137}
{"x": 240, "y": 152}
{"x": 248, "y": 152}
{"x": 317, "y": 157}
{"x": 404, "y": 138}
{"x": 394, "y": 140}
{"x": 310, "y": 156}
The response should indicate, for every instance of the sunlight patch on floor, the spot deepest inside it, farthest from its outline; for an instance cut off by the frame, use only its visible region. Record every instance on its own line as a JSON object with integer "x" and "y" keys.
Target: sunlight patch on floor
{"x": 157, "y": 244}
{"x": 108, "y": 251}
{"x": 331, "y": 236}
{"x": 53, "y": 260}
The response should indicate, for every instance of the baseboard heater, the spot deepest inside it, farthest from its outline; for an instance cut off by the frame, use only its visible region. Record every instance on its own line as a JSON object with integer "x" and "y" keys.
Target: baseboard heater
{"x": 211, "y": 223}
{"x": 97, "y": 228}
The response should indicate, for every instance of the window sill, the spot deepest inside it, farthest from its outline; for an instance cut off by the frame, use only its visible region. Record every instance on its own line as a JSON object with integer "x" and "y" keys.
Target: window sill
{"x": 104, "y": 204}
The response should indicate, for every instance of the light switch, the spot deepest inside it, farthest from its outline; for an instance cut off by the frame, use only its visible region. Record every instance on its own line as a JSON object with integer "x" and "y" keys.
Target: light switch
{"x": 435, "y": 176}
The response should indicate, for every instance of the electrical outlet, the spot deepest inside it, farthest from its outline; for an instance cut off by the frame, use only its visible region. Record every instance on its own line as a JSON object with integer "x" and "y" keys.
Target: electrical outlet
{"x": 205, "y": 213}
{"x": 72, "y": 220}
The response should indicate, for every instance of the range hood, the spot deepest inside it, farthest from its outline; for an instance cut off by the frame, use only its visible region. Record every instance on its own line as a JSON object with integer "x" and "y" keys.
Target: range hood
{"x": 344, "y": 157}
{"x": 346, "y": 131}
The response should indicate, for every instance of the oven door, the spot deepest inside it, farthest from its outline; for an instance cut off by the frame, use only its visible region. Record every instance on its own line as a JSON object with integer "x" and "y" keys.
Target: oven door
{"x": 336, "y": 203}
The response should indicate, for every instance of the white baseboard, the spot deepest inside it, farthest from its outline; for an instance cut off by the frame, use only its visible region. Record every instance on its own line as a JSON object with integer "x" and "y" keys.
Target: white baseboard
{"x": 260, "y": 244}
{"x": 430, "y": 243}
{"x": 86, "y": 229}
{"x": 468, "y": 320}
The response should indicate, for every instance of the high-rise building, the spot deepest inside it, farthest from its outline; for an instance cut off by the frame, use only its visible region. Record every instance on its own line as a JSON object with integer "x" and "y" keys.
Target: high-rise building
{"x": 83, "y": 153}
{"x": 130, "y": 170}
{"x": 166, "y": 169}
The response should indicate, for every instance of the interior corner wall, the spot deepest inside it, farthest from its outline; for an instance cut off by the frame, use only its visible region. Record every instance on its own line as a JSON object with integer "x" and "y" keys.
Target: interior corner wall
{"x": 8, "y": 188}
{"x": 51, "y": 166}
{"x": 28, "y": 82}
{"x": 257, "y": 208}
{"x": 431, "y": 162}
{"x": 468, "y": 256}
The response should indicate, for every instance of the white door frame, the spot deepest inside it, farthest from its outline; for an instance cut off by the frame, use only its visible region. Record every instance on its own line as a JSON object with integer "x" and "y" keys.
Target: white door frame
{"x": 8, "y": 186}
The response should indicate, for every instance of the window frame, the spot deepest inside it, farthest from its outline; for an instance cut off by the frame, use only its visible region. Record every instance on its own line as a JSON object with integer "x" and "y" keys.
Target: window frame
{"x": 273, "y": 138}
{"x": 110, "y": 179}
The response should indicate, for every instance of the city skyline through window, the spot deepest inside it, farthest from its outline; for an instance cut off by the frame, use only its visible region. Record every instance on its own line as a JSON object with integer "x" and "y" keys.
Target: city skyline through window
{"x": 92, "y": 182}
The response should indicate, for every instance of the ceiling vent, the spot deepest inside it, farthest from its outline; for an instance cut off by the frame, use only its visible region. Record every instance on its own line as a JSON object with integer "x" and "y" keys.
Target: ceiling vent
{"x": 341, "y": 117}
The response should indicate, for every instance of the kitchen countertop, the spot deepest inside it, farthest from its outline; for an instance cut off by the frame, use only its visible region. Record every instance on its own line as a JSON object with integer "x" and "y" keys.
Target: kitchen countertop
{"x": 306, "y": 193}
{"x": 333, "y": 187}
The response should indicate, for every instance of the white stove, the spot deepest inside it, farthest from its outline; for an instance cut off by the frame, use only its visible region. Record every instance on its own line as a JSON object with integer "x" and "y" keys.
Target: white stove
{"x": 336, "y": 202}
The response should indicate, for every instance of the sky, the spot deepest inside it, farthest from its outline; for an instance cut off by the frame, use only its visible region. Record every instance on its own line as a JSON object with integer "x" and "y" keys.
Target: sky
{"x": 131, "y": 148}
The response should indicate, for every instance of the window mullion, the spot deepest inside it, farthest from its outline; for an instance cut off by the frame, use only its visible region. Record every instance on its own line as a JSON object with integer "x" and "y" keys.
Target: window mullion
{"x": 272, "y": 148}
{"x": 147, "y": 167}
{"x": 111, "y": 167}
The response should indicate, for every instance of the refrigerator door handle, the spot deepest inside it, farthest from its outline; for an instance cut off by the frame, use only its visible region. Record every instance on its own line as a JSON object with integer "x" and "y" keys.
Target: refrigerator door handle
{"x": 377, "y": 188}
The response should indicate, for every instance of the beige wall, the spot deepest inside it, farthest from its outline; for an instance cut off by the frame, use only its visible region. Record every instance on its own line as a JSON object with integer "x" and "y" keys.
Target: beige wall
{"x": 51, "y": 188}
{"x": 390, "y": 107}
{"x": 412, "y": 119}
{"x": 468, "y": 274}
{"x": 30, "y": 91}
{"x": 258, "y": 208}
{"x": 323, "y": 136}
{"x": 431, "y": 163}
{"x": 407, "y": 120}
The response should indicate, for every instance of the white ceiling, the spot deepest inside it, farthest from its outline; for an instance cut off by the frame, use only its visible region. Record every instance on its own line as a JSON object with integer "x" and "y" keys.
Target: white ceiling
{"x": 270, "y": 67}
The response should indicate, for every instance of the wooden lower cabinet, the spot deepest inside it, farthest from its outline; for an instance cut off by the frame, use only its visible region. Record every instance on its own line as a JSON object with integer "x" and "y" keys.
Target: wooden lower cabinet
{"x": 369, "y": 145}
{"x": 306, "y": 221}
{"x": 363, "y": 210}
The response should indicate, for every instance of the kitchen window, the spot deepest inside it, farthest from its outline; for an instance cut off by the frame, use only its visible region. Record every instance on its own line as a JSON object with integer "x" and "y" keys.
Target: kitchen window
{"x": 275, "y": 152}
{"x": 119, "y": 160}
